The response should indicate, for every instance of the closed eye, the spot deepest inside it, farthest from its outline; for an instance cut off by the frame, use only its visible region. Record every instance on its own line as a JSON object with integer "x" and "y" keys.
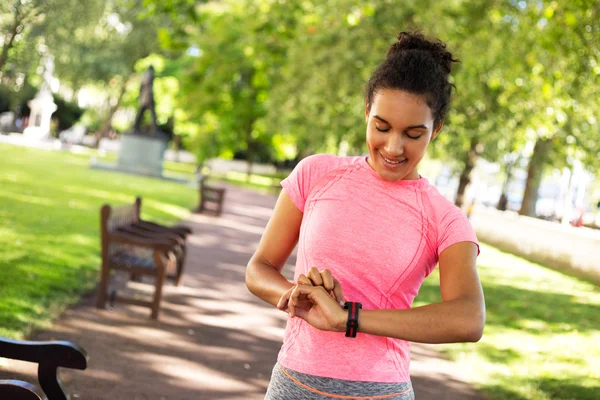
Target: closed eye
{"x": 414, "y": 137}
{"x": 382, "y": 130}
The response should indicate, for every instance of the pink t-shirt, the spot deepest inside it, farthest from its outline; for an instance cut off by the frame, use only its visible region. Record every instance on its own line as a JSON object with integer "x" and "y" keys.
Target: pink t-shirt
{"x": 380, "y": 240}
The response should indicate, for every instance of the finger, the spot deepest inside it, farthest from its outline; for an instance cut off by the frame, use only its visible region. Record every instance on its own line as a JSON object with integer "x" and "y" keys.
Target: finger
{"x": 294, "y": 301}
{"x": 303, "y": 280}
{"x": 338, "y": 292}
{"x": 283, "y": 301}
{"x": 315, "y": 276}
{"x": 328, "y": 283}
{"x": 311, "y": 293}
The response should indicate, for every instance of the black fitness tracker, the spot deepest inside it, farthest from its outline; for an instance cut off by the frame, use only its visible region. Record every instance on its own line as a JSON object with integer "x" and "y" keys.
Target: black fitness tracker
{"x": 352, "y": 324}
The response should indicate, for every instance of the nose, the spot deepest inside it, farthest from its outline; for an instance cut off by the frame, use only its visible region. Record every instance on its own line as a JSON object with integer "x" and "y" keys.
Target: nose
{"x": 394, "y": 146}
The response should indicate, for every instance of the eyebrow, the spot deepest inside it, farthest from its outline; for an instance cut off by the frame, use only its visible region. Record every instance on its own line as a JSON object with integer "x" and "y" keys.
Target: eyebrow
{"x": 407, "y": 128}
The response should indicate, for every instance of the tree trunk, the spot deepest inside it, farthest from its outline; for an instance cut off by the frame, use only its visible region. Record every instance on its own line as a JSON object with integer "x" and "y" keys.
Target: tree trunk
{"x": 503, "y": 200}
{"x": 103, "y": 132}
{"x": 8, "y": 44}
{"x": 465, "y": 177}
{"x": 534, "y": 176}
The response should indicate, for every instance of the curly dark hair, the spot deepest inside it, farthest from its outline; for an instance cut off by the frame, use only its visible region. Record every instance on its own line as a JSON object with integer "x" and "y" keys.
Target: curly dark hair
{"x": 419, "y": 66}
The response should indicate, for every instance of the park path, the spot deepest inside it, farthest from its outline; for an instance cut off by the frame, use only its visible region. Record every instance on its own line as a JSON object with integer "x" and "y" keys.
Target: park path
{"x": 214, "y": 340}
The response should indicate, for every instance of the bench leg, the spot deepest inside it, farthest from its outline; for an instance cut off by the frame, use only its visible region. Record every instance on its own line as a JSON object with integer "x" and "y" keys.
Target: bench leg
{"x": 220, "y": 206}
{"x": 161, "y": 274}
{"x": 134, "y": 278}
{"x": 103, "y": 287}
{"x": 201, "y": 205}
{"x": 180, "y": 265}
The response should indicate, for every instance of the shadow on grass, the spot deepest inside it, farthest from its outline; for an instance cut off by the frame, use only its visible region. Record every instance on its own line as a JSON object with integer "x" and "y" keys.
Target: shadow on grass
{"x": 568, "y": 389}
{"x": 498, "y": 355}
{"x": 497, "y": 392}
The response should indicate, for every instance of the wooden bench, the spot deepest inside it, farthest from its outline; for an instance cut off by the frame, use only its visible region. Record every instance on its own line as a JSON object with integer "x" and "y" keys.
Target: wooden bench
{"x": 150, "y": 229}
{"x": 50, "y": 356}
{"x": 141, "y": 248}
{"x": 211, "y": 198}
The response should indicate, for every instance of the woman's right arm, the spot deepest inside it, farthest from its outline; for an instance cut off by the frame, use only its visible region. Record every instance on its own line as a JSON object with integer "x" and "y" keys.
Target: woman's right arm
{"x": 263, "y": 273}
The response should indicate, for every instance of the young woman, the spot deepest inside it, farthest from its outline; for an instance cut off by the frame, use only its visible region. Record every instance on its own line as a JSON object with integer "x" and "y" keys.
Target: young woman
{"x": 369, "y": 230}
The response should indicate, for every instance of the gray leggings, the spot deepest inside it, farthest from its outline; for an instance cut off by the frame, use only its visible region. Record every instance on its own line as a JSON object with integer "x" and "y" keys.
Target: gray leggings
{"x": 291, "y": 385}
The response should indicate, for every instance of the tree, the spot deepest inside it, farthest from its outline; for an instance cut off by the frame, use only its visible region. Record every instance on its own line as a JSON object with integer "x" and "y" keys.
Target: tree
{"x": 105, "y": 53}
{"x": 23, "y": 20}
{"x": 295, "y": 72}
{"x": 565, "y": 61}
{"x": 241, "y": 46}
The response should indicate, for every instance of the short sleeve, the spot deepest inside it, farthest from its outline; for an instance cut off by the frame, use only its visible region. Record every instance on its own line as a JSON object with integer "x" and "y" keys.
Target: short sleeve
{"x": 303, "y": 178}
{"x": 455, "y": 228}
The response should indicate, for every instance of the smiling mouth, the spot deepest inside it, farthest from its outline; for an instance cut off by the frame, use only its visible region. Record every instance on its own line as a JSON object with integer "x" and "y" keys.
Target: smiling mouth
{"x": 391, "y": 162}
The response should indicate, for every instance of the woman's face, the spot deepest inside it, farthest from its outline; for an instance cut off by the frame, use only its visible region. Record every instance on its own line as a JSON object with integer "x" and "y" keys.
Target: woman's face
{"x": 399, "y": 128}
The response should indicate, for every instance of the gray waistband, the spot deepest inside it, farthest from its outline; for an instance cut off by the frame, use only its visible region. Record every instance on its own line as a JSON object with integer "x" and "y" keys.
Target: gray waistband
{"x": 289, "y": 384}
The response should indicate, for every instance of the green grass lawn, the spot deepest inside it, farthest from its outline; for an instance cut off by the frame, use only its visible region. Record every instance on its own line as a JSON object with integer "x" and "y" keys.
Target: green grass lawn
{"x": 542, "y": 336}
{"x": 49, "y": 221}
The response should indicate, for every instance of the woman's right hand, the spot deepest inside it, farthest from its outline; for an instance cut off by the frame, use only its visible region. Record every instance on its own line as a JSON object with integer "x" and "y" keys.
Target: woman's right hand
{"x": 315, "y": 278}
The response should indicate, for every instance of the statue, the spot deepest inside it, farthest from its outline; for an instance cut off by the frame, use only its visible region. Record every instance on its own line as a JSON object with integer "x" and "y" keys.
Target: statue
{"x": 48, "y": 73}
{"x": 146, "y": 101}
{"x": 143, "y": 152}
{"x": 42, "y": 106}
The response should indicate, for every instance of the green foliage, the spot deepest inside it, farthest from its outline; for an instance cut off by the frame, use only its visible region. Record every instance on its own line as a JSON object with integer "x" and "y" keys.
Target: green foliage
{"x": 107, "y": 49}
{"x": 67, "y": 113}
{"x": 50, "y": 231}
{"x": 180, "y": 13}
{"x": 243, "y": 77}
{"x": 28, "y": 24}
{"x": 227, "y": 85}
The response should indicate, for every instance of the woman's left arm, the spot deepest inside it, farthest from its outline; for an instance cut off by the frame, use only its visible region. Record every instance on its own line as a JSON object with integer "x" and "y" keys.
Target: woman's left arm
{"x": 460, "y": 316}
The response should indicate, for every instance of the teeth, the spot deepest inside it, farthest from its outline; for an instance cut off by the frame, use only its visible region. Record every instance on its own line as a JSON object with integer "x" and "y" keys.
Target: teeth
{"x": 392, "y": 162}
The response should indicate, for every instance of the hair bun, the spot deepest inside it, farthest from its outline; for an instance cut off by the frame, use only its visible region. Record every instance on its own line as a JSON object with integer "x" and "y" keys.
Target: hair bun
{"x": 408, "y": 41}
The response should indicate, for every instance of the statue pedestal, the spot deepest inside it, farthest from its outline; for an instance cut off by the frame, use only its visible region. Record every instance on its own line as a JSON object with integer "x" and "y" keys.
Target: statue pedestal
{"x": 142, "y": 154}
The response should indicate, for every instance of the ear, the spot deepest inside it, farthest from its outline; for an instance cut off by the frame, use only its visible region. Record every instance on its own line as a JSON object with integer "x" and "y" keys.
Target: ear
{"x": 367, "y": 111}
{"x": 437, "y": 130}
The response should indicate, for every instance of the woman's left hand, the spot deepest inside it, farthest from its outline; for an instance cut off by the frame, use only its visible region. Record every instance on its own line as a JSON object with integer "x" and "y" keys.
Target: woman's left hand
{"x": 324, "y": 312}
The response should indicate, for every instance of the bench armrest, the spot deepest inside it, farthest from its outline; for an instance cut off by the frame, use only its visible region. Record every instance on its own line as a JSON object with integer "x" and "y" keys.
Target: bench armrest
{"x": 61, "y": 353}
{"x": 14, "y": 389}
{"x": 50, "y": 356}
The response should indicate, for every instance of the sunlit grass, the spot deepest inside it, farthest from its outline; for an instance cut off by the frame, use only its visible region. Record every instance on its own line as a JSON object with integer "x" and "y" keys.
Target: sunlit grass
{"x": 49, "y": 222}
{"x": 542, "y": 336}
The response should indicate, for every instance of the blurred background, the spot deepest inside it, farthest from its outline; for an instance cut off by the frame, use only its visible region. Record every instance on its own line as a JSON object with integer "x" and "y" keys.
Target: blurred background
{"x": 245, "y": 89}
{"x": 270, "y": 82}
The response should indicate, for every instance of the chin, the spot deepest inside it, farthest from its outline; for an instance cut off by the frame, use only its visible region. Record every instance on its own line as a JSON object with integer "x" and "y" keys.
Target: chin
{"x": 390, "y": 177}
